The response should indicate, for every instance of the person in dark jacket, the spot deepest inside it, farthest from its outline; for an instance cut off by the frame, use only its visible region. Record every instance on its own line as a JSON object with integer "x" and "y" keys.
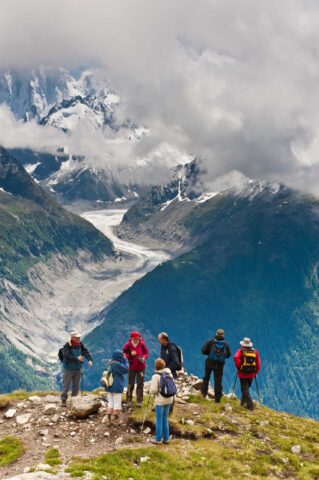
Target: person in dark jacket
{"x": 136, "y": 353}
{"x": 217, "y": 351}
{"x": 119, "y": 368}
{"x": 169, "y": 354}
{"x": 248, "y": 366}
{"x": 74, "y": 354}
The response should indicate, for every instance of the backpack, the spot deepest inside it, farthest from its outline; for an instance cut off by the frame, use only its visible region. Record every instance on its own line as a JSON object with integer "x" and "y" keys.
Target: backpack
{"x": 180, "y": 357}
{"x": 218, "y": 351}
{"x": 249, "y": 361}
{"x": 60, "y": 354}
{"x": 107, "y": 379}
{"x": 167, "y": 385}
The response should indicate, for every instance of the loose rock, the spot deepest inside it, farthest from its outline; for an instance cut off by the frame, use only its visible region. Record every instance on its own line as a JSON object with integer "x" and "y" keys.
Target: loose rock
{"x": 50, "y": 409}
{"x": 82, "y": 407}
{"x": 23, "y": 419}
{"x": 10, "y": 413}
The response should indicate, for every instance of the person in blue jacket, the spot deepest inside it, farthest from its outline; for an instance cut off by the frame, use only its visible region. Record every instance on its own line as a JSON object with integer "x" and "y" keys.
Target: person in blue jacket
{"x": 119, "y": 367}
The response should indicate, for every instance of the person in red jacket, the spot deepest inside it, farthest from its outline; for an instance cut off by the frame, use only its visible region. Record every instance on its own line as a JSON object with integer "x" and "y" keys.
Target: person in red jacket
{"x": 248, "y": 365}
{"x": 136, "y": 352}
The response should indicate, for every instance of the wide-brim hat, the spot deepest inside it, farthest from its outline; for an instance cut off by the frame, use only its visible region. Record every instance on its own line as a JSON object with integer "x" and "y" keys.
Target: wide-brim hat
{"x": 246, "y": 342}
{"x": 75, "y": 334}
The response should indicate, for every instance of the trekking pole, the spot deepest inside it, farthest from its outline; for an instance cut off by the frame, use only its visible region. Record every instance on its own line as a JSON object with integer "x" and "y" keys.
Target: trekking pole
{"x": 145, "y": 414}
{"x": 257, "y": 388}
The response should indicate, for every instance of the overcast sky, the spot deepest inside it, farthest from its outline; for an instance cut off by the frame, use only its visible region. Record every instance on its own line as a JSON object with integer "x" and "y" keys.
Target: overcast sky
{"x": 235, "y": 82}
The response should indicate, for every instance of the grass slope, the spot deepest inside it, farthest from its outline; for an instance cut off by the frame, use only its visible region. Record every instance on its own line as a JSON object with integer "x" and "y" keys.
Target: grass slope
{"x": 230, "y": 444}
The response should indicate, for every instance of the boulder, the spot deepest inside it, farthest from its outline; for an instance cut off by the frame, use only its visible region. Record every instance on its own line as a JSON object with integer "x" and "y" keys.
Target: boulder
{"x": 82, "y": 407}
{"x": 23, "y": 419}
{"x": 50, "y": 409}
{"x": 10, "y": 413}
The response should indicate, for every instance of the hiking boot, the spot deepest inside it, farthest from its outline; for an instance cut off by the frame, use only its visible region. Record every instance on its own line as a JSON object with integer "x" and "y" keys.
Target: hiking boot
{"x": 139, "y": 404}
{"x": 166, "y": 442}
{"x": 155, "y": 442}
{"x": 63, "y": 403}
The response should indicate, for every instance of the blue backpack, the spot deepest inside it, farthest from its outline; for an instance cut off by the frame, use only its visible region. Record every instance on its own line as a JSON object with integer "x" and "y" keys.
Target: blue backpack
{"x": 218, "y": 351}
{"x": 167, "y": 385}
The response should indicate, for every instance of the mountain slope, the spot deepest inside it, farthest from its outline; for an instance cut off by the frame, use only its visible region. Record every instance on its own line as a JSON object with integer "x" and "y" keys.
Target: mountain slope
{"x": 253, "y": 271}
{"x": 156, "y": 218}
{"x": 34, "y": 231}
{"x": 34, "y": 226}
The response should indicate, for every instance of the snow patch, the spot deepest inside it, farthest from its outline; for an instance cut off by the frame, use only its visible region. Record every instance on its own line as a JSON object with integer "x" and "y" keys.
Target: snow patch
{"x": 4, "y": 191}
{"x": 31, "y": 167}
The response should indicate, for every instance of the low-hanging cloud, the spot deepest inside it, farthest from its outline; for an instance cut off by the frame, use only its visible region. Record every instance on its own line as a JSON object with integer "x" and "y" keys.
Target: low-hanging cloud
{"x": 233, "y": 82}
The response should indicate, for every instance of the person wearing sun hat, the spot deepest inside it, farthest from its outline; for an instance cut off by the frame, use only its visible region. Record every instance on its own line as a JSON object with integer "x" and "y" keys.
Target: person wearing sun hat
{"x": 136, "y": 353}
{"x": 248, "y": 366}
{"x": 74, "y": 354}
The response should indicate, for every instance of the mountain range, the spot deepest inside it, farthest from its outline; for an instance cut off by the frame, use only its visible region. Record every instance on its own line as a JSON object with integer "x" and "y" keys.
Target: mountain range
{"x": 250, "y": 268}
{"x": 69, "y": 100}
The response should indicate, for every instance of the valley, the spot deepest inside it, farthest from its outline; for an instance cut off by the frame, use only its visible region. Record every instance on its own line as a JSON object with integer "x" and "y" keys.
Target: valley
{"x": 70, "y": 296}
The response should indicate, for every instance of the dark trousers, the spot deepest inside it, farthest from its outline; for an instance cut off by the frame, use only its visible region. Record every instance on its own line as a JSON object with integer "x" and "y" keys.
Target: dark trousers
{"x": 71, "y": 377}
{"x": 139, "y": 375}
{"x": 245, "y": 384}
{"x": 218, "y": 369}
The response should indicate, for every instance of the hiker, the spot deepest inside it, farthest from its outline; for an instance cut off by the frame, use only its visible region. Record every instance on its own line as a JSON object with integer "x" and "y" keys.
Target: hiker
{"x": 162, "y": 403}
{"x": 170, "y": 353}
{"x": 217, "y": 351}
{"x": 118, "y": 368}
{"x": 136, "y": 352}
{"x": 247, "y": 362}
{"x": 74, "y": 354}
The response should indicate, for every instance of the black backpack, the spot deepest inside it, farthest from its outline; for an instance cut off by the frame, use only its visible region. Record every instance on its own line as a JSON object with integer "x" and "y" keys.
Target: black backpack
{"x": 180, "y": 356}
{"x": 60, "y": 354}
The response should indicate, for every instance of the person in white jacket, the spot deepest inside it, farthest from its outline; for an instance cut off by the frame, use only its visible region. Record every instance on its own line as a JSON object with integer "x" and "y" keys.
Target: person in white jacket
{"x": 162, "y": 404}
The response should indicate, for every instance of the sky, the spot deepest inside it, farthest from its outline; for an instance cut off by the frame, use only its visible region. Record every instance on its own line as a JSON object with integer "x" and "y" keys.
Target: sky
{"x": 235, "y": 83}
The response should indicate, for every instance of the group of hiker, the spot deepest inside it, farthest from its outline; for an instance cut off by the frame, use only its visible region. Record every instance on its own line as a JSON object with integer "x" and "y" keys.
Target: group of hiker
{"x": 131, "y": 360}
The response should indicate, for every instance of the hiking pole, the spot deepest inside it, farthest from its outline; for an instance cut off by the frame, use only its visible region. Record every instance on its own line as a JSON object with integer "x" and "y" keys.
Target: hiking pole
{"x": 257, "y": 388}
{"x": 146, "y": 409}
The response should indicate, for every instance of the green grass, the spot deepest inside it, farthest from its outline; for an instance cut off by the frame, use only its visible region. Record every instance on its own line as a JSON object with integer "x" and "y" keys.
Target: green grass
{"x": 20, "y": 395}
{"x": 52, "y": 457}
{"x": 200, "y": 460}
{"x": 11, "y": 449}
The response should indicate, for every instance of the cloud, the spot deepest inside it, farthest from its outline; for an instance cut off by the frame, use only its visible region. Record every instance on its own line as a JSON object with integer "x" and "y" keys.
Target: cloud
{"x": 232, "y": 82}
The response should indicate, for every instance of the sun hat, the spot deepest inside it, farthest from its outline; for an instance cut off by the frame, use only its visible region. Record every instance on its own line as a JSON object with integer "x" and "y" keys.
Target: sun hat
{"x": 246, "y": 342}
{"x": 75, "y": 334}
